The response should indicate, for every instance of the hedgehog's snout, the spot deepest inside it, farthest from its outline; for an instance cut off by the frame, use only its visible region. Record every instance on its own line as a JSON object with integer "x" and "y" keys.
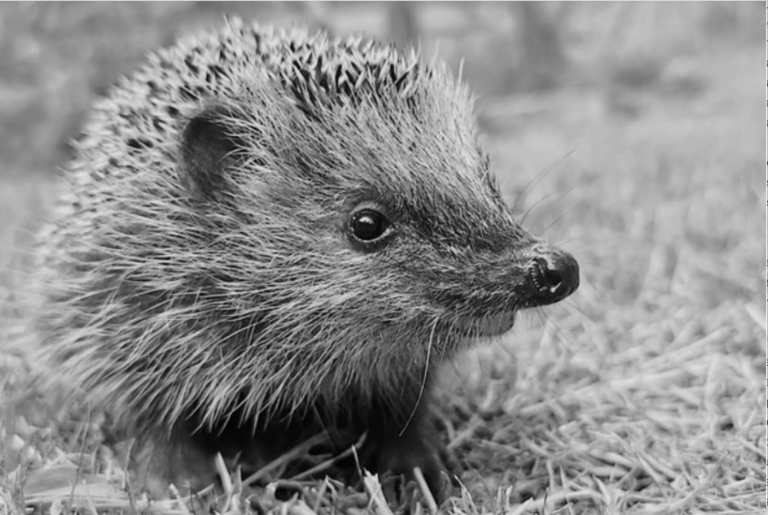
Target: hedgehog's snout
{"x": 552, "y": 275}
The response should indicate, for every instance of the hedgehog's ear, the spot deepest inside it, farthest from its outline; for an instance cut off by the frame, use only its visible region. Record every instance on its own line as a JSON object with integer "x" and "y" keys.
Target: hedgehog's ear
{"x": 207, "y": 149}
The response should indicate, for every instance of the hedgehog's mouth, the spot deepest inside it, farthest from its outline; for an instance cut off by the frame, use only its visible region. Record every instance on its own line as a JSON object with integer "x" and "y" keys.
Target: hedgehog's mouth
{"x": 480, "y": 327}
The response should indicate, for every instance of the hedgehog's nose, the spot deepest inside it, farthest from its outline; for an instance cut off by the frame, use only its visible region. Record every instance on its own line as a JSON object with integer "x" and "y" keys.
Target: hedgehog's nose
{"x": 552, "y": 275}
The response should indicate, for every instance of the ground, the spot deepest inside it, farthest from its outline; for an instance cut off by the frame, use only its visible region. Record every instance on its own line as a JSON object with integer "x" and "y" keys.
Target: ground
{"x": 642, "y": 393}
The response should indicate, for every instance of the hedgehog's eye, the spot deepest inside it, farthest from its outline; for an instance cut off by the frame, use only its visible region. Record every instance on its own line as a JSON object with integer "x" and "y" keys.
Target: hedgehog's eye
{"x": 367, "y": 224}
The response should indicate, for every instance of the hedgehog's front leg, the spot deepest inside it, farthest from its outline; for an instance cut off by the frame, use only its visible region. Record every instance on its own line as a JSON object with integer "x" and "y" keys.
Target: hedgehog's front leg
{"x": 157, "y": 462}
{"x": 398, "y": 445}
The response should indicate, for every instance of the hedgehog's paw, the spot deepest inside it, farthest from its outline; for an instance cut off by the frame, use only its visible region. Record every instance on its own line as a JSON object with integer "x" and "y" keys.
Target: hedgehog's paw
{"x": 399, "y": 481}
{"x": 397, "y": 458}
{"x": 155, "y": 465}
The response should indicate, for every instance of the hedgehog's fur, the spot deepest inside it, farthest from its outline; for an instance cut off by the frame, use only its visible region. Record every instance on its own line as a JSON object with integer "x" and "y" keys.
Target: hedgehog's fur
{"x": 201, "y": 278}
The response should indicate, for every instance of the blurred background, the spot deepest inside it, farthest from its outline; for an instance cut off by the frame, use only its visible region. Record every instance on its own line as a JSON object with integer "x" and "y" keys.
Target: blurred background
{"x": 616, "y": 57}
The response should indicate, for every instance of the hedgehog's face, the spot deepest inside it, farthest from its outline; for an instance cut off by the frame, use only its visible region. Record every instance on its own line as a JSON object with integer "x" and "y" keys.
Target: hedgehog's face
{"x": 445, "y": 235}
{"x": 385, "y": 199}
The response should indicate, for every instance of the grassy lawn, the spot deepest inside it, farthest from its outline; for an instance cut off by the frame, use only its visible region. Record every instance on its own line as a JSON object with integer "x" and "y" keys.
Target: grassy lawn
{"x": 642, "y": 393}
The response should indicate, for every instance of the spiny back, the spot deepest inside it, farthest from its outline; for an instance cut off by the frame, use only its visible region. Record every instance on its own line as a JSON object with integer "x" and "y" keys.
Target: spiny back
{"x": 135, "y": 130}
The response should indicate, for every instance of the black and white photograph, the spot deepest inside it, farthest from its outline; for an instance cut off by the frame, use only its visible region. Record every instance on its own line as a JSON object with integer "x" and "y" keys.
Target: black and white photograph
{"x": 315, "y": 258}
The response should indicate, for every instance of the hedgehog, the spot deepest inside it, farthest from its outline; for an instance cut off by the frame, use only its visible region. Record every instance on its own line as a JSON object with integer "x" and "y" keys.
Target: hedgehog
{"x": 267, "y": 234}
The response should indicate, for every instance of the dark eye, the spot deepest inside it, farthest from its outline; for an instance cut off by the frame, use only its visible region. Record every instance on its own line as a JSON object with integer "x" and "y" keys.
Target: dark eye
{"x": 368, "y": 224}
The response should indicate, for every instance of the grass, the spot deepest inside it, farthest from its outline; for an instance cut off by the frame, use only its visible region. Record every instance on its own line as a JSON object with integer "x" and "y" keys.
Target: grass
{"x": 643, "y": 393}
